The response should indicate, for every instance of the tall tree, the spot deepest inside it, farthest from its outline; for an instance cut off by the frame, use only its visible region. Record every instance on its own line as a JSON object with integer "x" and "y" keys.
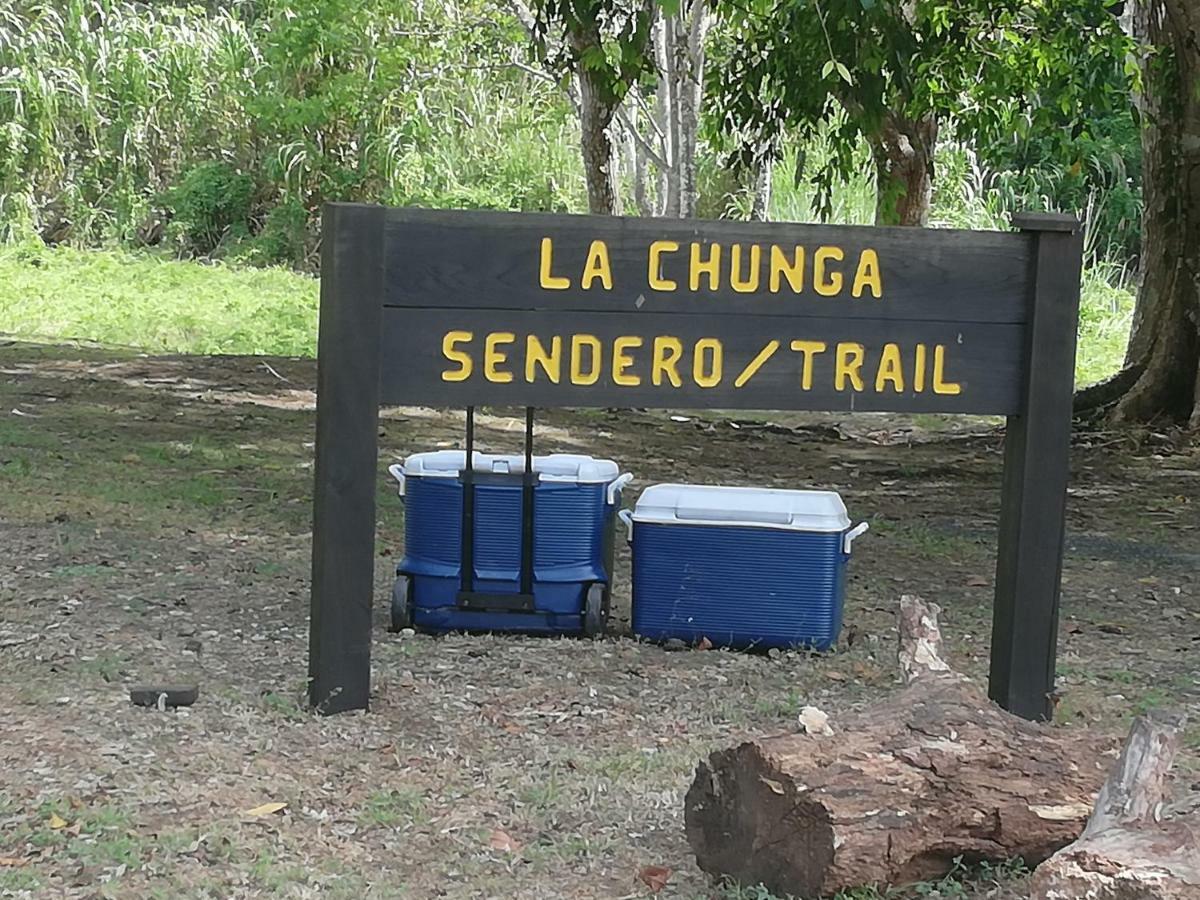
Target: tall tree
{"x": 1164, "y": 349}
{"x": 606, "y": 46}
{"x": 894, "y": 72}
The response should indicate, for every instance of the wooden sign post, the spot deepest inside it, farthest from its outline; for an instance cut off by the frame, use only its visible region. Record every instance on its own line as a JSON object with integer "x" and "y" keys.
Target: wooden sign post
{"x": 444, "y": 308}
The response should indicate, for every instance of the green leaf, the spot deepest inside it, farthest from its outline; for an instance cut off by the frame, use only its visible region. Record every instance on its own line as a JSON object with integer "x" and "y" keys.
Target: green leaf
{"x": 827, "y": 68}
{"x": 845, "y": 73}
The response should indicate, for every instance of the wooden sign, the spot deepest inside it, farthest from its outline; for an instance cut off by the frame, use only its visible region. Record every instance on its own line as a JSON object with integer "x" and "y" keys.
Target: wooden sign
{"x": 451, "y": 308}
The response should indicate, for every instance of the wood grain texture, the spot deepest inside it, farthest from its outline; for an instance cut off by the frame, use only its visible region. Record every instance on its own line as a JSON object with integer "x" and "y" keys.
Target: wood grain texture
{"x": 439, "y": 258}
{"x": 984, "y": 360}
{"x": 898, "y": 792}
{"x": 1033, "y": 502}
{"x": 343, "y": 555}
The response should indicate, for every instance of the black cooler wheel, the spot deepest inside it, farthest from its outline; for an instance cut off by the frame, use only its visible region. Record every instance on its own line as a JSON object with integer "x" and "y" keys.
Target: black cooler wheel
{"x": 401, "y": 604}
{"x": 593, "y": 611}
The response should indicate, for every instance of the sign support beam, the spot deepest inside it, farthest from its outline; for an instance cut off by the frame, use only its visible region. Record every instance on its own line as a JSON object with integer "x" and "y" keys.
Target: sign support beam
{"x": 1036, "y": 466}
{"x": 343, "y": 554}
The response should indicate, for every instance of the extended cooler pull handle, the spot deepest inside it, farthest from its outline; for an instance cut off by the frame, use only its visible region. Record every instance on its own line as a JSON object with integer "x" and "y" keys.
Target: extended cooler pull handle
{"x": 397, "y": 471}
{"x": 856, "y": 531}
{"x": 627, "y": 518}
{"x": 617, "y": 485}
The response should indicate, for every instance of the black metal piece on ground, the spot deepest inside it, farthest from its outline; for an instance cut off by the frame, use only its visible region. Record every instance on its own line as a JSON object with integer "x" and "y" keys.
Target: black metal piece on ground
{"x": 172, "y": 694}
{"x": 1036, "y": 468}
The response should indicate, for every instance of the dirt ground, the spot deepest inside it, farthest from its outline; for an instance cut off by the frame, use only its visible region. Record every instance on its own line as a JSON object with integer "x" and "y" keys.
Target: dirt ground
{"x": 155, "y": 526}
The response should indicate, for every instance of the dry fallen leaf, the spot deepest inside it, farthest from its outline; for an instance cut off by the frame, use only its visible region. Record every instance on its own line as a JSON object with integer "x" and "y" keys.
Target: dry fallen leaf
{"x": 267, "y": 809}
{"x": 13, "y": 862}
{"x": 57, "y": 821}
{"x": 502, "y": 840}
{"x": 977, "y": 581}
{"x": 705, "y": 644}
{"x": 654, "y": 877}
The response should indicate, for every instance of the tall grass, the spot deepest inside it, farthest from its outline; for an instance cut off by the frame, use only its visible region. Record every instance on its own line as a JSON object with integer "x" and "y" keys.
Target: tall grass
{"x": 105, "y": 104}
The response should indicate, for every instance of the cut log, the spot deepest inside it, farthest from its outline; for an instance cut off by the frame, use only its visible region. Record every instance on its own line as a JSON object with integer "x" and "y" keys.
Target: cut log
{"x": 1127, "y": 851}
{"x": 899, "y": 791}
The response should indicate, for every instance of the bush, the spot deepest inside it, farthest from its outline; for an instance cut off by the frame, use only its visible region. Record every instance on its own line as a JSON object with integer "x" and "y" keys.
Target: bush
{"x": 211, "y": 206}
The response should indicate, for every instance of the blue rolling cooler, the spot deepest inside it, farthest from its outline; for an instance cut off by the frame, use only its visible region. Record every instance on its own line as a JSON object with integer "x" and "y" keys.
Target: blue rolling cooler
{"x": 743, "y": 567}
{"x": 510, "y": 543}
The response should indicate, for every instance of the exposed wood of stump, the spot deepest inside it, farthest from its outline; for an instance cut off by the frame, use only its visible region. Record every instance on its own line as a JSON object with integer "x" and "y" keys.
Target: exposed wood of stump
{"x": 1127, "y": 852}
{"x": 898, "y": 791}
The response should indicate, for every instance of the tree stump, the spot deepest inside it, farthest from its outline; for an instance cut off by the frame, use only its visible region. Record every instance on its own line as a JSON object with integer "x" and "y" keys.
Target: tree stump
{"x": 898, "y": 791}
{"x": 1127, "y": 852}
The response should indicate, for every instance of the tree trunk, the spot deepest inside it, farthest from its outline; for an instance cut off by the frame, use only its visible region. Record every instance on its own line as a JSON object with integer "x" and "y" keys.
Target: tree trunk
{"x": 1126, "y": 852}
{"x": 668, "y": 104}
{"x": 764, "y": 169}
{"x": 1166, "y": 328}
{"x": 898, "y": 792}
{"x": 691, "y": 81}
{"x": 902, "y": 151}
{"x": 595, "y": 117}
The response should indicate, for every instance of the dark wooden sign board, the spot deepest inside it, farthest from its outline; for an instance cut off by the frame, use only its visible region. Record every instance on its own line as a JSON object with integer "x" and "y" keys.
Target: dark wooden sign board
{"x": 447, "y": 308}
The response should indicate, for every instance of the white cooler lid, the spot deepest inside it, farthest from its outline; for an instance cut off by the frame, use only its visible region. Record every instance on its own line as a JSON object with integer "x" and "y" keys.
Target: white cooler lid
{"x": 694, "y": 504}
{"x": 566, "y": 467}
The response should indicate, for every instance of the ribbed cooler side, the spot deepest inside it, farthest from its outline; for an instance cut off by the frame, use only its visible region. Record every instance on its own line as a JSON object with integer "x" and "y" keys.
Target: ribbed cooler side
{"x": 737, "y": 586}
{"x": 569, "y": 522}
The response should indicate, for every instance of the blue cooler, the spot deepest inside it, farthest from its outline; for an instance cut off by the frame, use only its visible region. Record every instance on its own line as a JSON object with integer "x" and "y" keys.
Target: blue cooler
{"x": 743, "y": 567}
{"x": 574, "y": 501}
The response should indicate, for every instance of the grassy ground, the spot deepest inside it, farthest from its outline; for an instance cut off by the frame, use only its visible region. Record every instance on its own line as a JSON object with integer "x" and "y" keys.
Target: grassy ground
{"x": 155, "y": 526}
{"x": 120, "y": 298}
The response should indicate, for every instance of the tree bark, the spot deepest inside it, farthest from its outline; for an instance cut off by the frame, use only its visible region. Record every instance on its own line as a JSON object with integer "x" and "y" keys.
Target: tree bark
{"x": 899, "y": 791}
{"x": 1126, "y": 852}
{"x": 1165, "y": 341}
{"x": 596, "y": 111}
{"x": 902, "y": 152}
{"x": 691, "y": 81}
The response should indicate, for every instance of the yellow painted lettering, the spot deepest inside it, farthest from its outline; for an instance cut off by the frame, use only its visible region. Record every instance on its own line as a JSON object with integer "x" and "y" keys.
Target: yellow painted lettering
{"x": 849, "y": 366}
{"x": 749, "y": 284}
{"x": 781, "y": 268}
{"x": 548, "y": 281}
{"x": 940, "y": 384}
{"x": 710, "y": 267}
{"x": 707, "y": 374}
{"x": 919, "y": 369}
{"x": 595, "y": 361}
{"x": 868, "y": 275}
{"x": 890, "y": 369}
{"x": 665, "y": 361}
{"x": 597, "y": 267}
{"x": 493, "y": 356}
{"x": 657, "y": 249}
{"x": 622, "y": 361}
{"x": 827, "y": 284}
{"x": 536, "y": 355}
{"x": 808, "y": 349}
{"x": 757, "y": 363}
{"x": 463, "y": 372}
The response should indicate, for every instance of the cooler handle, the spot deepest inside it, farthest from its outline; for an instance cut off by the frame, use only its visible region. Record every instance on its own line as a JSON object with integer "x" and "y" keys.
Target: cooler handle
{"x": 627, "y": 518}
{"x": 397, "y": 471}
{"x": 617, "y": 485}
{"x": 849, "y": 536}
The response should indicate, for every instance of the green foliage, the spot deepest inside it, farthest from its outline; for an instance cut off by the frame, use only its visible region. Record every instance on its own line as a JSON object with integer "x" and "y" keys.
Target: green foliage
{"x": 860, "y": 69}
{"x": 607, "y": 39}
{"x": 113, "y": 112}
{"x": 210, "y": 205}
{"x": 167, "y": 306}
